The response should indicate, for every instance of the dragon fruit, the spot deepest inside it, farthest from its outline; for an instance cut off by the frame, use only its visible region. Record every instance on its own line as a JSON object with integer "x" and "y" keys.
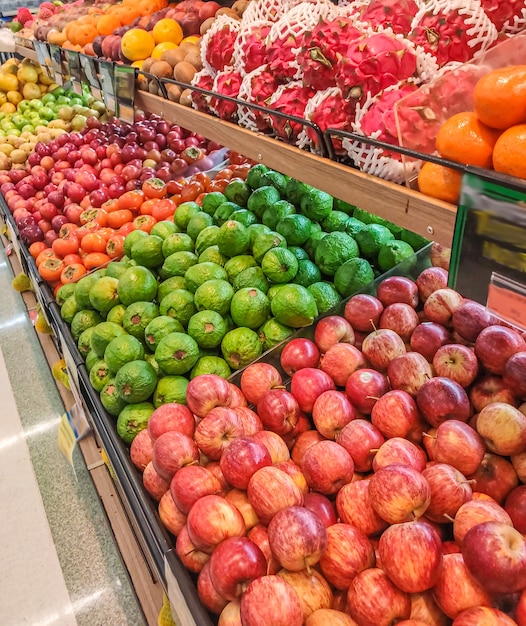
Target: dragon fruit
{"x": 256, "y": 88}
{"x": 292, "y": 100}
{"x": 504, "y": 13}
{"x": 23, "y": 16}
{"x": 200, "y": 101}
{"x": 250, "y": 50}
{"x": 217, "y": 45}
{"x": 323, "y": 46}
{"x": 282, "y": 57}
{"x": 394, "y": 14}
{"x": 453, "y": 30}
{"x": 372, "y": 64}
{"x": 226, "y": 83}
{"x": 45, "y": 11}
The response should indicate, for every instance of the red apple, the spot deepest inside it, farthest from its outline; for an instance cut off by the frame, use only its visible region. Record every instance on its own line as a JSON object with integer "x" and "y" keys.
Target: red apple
{"x": 171, "y": 451}
{"x": 456, "y": 590}
{"x": 398, "y": 289}
{"x": 428, "y": 337}
{"x": 192, "y": 558}
{"x": 477, "y": 512}
{"x": 361, "y": 439}
{"x": 399, "y": 493}
{"x": 308, "y": 384}
{"x": 141, "y": 450}
{"x": 171, "y": 517}
{"x": 239, "y": 499}
{"x": 231, "y": 614}
{"x": 373, "y": 599}
{"x": 449, "y": 491}
{"x": 424, "y": 609}
{"x": 340, "y": 361}
{"x": 206, "y": 392}
{"x": 503, "y": 429}
{"x": 381, "y": 346}
{"x": 459, "y": 445}
{"x": 483, "y": 616}
{"x": 271, "y": 601}
{"x": 400, "y": 318}
{"x": 515, "y": 505}
{"x": 520, "y": 614}
{"x": 191, "y": 483}
{"x": 440, "y": 255}
{"x": 154, "y": 484}
{"x": 322, "y": 617}
{"x": 441, "y": 304}
{"x": 364, "y": 387}
{"x": 395, "y": 414}
{"x": 270, "y": 490}
{"x": 491, "y": 389}
{"x": 274, "y": 444}
{"x": 212, "y": 519}
{"x": 327, "y": 466}
{"x": 519, "y": 465}
{"x": 354, "y": 506}
{"x": 207, "y": 592}
{"x": 430, "y": 280}
{"x": 171, "y": 416}
{"x": 495, "y": 345}
{"x": 217, "y": 430}
{"x": 290, "y": 468}
{"x": 411, "y": 555}
{"x": 398, "y": 450}
{"x": 257, "y": 379}
{"x": 495, "y": 476}
{"x": 279, "y": 410}
{"x": 313, "y": 590}
{"x": 331, "y": 412}
{"x": 250, "y": 420}
{"x": 234, "y": 564}
{"x": 322, "y": 506}
{"x": 471, "y": 318}
{"x": 514, "y": 373}
{"x": 409, "y": 372}
{"x": 363, "y": 312}
{"x": 457, "y": 362}
{"x": 299, "y": 353}
{"x": 238, "y": 399}
{"x": 331, "y": 330}
{"x": 440, "y": 399}
{"x": 304, "y": 441}
{"x": 259, "y": 535}
{"x": 348, "y": 553}
{"x": 215, "y": 468}
{"x": 495, "y": 555}
{"x": 242, "y": 459}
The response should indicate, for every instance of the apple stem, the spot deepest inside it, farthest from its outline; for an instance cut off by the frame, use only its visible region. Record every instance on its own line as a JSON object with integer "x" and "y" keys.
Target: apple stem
{"x": 308, "y": 568}
{"x": 373, "y": 325}
{"x": 469, "y": 482}
{"x": 279, "y": 387}
{"x": 372, "y": 398}
{"x": 424, "y": 434}
{"x": 448, "y": 517}
{"x": 375, "y": 450}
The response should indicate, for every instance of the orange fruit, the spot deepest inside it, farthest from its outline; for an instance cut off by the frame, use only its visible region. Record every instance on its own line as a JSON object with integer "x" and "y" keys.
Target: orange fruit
{"x": 107, "y": 24}
{"x": 509, "y": 154}
{"x": 163, "y": 47}
{"x": 137, "y": 44}
{"x": 500, "y": 97}
{"x": 126, "y": 15}
{"x": 167, "y": 30}
{"x": 85, "y": 33}
{"x": 465, "y": 139}
{"x": 440, "y": 182}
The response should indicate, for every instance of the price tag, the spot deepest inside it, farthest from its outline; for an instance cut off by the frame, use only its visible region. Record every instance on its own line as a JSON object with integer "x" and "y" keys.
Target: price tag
{"x": 507, "y": 299}
{"x": 89, "y": 68}
{"x": 56, "y": 63}
{"x": 43, "y": 56}
{"x": 66, "y": 437}
{"x": 74, "y": 70}
{"x": 108, "y": 86}
{"x": 125, "y": 91}
{"x": 14, "y": 242}
{"x": 178, "y": 604}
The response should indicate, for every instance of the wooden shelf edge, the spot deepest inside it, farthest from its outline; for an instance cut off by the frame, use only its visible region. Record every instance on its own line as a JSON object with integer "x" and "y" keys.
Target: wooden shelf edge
{"x": 410, "y": 209}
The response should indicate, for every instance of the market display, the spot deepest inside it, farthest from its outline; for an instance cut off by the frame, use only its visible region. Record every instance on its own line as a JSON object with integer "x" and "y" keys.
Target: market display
{"x": 324, "y": 444}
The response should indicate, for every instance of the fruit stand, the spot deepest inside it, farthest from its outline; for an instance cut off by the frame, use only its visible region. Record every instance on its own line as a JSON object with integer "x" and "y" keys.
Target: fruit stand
{"x": 420, "y": 371}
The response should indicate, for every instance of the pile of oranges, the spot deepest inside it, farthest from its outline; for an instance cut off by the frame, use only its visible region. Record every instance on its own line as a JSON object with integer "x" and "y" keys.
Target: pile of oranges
{"x": 493, "y": 136}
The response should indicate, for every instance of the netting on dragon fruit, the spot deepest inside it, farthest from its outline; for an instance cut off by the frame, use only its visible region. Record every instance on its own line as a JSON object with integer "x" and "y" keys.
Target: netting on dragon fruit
{"x": 290, "y": 99}
{"x": 256, "y": 87}
{"x": 217, "y": 44}
{"x": 262, "y": 11}
{"x": 227, "y": 83}
{"x": 508, "y": 16}
{"x": 205, "y": 80}
{"x": 395, "y": 14}
{"x": 250, "y": 47}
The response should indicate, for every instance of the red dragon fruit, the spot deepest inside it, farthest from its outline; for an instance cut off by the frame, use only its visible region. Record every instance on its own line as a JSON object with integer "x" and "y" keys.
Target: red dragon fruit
{"x": 282, "y": 56}
{"x": 250, "y": 49}
{"x": 372, "y": 64}
{"x": 226, "y": 83}
{"x": 45, "y": 11}
{"x": 394, "y": 14}
{"x": 504, "y": 12}
{"x": 292, "y": 100}
{"x": 452, "y": 30}
{"x": 24, "y": 16}
{"x": 262, "y": 87}
{"x": 219, "y": 44}
{"x": 200, "y": 100}
{"x": 323, "y": 46}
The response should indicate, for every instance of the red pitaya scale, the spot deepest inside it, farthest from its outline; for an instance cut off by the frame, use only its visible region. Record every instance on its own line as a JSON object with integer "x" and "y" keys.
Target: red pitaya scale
{"x": 200, "y": 100}
{"x": 332, "y": 112}
{"x": 394, "y": 14}
{"x": 227, "y": 84}
{"x": 254, "y": 50}
{"x": 292, "y": 101}
{"x": 220, "y": 48}
{"x": 502, "y": 11}
{"x": 282, "y": 56}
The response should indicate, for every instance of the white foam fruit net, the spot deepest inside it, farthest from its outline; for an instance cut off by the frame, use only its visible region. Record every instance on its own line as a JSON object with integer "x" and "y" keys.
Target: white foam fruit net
{"x": 246, "y": 46}
{"x": 249, "y": 118}
{"x": 220, "y": 23}
{"x": 219, "y": 107}
{"x": 480, "y": 32}
{"x": 262, "y": 11}
{"x": 517, "y": 23}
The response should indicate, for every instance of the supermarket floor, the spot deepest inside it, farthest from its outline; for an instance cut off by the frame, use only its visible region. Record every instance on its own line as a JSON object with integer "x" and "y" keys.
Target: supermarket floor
{"x": 60, "y": 563}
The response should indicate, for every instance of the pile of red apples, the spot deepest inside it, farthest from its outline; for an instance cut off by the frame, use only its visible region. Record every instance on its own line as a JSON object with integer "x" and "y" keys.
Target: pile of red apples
{"x": 375, "y": 480}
